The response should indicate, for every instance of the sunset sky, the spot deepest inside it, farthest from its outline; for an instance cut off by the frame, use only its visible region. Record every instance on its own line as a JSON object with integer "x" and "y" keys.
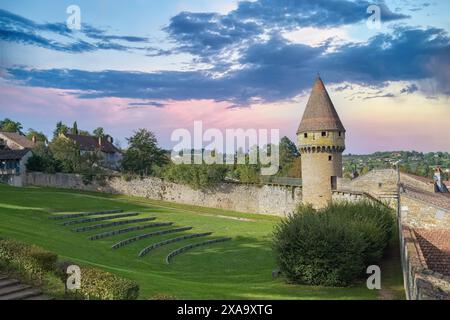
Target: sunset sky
{"x": 162, "y": 65}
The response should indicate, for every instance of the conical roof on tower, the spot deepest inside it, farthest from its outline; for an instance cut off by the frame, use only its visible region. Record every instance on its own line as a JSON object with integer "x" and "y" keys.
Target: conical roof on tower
{"x": 320, "y": 114}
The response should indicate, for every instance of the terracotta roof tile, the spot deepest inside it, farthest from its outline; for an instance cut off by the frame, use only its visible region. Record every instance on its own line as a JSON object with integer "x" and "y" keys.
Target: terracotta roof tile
{"x": 435, "y": 247}
{"x": 91, "y": 143}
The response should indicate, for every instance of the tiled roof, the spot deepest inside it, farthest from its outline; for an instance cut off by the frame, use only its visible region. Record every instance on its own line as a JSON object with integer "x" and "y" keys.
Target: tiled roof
{"x": 13, "y": 154}
{"x": 19, "y": 139}
{"x": 90, "y": 143}
{"x": 420, "y": 178}
{"x": 320, "y": 114}
{"x": 435, "y": 247}
{"x": 441, "y": 200}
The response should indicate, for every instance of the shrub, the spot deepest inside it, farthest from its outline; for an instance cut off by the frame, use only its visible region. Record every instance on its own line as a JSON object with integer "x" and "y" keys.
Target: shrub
{"x": 332, "y": 246}
{"x": 31, "y": 261}
{"x": 101, "y": 285}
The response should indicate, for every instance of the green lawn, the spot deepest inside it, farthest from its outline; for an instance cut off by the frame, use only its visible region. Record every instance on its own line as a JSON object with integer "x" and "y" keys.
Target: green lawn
{"x": 237, "y": 269}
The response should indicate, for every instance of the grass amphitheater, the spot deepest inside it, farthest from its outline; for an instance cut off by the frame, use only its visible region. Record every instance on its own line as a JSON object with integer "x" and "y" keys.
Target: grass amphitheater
{"x": 170, "y": 250}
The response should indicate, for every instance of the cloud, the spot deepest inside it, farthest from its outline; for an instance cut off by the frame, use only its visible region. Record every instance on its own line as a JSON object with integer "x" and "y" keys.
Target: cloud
{"x": 146, "y": 104}
{"x": 203, "y": 34}
{"x": 14, "y": 28}
{"x": 410, "y": 89}
{"x": 271, "y": 71}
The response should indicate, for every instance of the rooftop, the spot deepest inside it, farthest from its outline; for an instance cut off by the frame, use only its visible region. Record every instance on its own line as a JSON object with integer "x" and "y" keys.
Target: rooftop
{"x": 18, "y": 139}
{"x": 435, "y": 247}
{"x": 13, "y": 154}
{"x": 91, "y": 143}
{"x": 320, "y": 114}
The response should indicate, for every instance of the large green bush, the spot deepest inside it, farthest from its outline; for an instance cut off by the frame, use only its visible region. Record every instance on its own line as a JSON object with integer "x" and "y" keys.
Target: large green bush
{"x": 332, "y": 246}
{"x": 31, "y": 261}
{"x": 101, "y": 285}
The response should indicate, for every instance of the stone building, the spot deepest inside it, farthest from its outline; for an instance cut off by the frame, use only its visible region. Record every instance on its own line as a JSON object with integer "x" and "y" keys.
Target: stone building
{"x": 321, "y": 141}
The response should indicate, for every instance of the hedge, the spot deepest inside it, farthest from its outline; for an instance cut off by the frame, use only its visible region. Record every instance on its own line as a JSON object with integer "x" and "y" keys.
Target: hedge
{"x": 332, "y": 246}
{"x": 112, "y": 224}
{"x": 84, "y": 214}
{"x": 148, "y": 235}
{"x": 146, "y": 250}
{"x": 117, "y": 216}
{"x": 192, "y": 246}
{"x": 97, "y": 284}
{"x": 30, "y": 260}
{"x": 130, "y": 229}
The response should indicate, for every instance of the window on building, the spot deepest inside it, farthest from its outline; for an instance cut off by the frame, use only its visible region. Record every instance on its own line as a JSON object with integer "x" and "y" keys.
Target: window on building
{"x": 330, "y": 158}
{"x": 340, "y": 133}
{"x": 305, "y": 135}
{"x": 324, "y": 133}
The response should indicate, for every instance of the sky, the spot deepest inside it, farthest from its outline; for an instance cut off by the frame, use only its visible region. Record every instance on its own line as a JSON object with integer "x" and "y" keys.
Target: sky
{"x": 162, "y": 65}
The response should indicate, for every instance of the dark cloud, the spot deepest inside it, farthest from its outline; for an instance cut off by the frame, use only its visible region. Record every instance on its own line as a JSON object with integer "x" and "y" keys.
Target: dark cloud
{"x": 14, "y": 28}
{"x": 203, "y": 34}
{"x": 271, "y": 71}
{"x": 147, "y": 104}
{"x": 410, "y": 89}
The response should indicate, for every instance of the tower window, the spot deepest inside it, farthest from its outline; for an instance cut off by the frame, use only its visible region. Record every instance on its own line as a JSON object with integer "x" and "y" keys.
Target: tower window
{"x": 324, "y": 134}
{"x": 305, "y": 135}
{"x": 340, "y": 133}
{"x": 330, "y": 158}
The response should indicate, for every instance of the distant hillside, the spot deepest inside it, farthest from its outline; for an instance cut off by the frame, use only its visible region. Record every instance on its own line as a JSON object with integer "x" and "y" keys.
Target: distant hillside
{"x": 422, "y": 164}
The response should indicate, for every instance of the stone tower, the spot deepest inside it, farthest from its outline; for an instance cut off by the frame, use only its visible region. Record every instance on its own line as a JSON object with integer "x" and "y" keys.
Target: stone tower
{"x": 321, "y": 141}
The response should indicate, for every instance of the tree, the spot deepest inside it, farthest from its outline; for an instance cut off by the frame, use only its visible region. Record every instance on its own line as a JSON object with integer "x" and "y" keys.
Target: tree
{"x": 38, "y": 135}
{"x": 143, "y": 153}
{"x": 61, "y": 128}
{"x": 9, "y": 125}
{"x": 67, "y": 152}
{"x": 288, "y": 155}
{"x": 74, "y": 129}
{"x": 99, "y": 132}
{"x": 42, "y": 160}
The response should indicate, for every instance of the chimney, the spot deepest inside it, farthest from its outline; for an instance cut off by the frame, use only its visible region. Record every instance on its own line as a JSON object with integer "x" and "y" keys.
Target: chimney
{"x": 33, "y": 138}
{"x": 99, "y": 141}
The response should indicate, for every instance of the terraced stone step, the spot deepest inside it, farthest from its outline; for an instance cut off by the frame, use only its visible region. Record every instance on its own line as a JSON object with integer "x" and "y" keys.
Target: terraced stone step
{"x": 117, "y": 216}
{"x": 154, "y": 246}
{"x": 21, "y": 295}
{"x": 148, "y": 235}
{"x": 8, "y": 282}
{"x": 112, "y": 224}
{"x": 13, "y": 289}
{"x": 130, "y": 229}
{"x": 3, "y": 277}
{"x": 84, "y": 214}
{"x": 176, "y": 252}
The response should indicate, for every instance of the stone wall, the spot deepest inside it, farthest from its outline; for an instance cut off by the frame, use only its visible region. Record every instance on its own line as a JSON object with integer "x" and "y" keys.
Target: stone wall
{"x": 424, "y": 233}
{"x": 266, "y": 199}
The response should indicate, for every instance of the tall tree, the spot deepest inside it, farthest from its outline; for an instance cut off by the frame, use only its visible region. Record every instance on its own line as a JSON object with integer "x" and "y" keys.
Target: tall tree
{"x": 9, "y": 125}
{"x": 143, "y": 153}
{"x": 74, "y": 128}
{"x": 67, "y": 153}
